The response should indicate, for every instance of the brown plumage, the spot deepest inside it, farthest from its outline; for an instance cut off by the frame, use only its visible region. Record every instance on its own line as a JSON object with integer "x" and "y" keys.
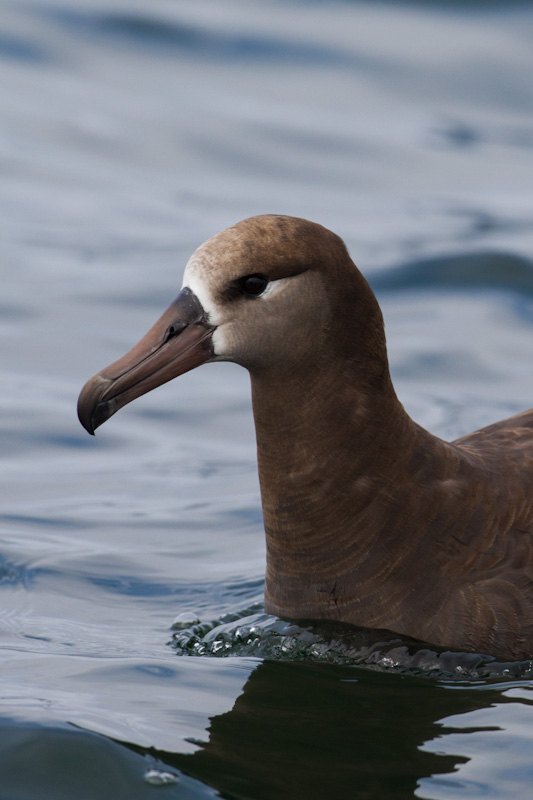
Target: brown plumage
{"x": 369, "y": 518}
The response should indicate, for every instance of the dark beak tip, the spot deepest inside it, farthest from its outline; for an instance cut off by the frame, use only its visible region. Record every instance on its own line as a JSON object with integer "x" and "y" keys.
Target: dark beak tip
{"x": 90, "y": 406}
{"x": 90, "y": 429}
{"x": 85, "y": 419}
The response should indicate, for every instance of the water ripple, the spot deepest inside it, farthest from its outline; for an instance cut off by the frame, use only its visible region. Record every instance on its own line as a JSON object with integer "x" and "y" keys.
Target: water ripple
{"x": 134, "y": 586}
{"x": 166, "y": 37}
{"x": 16, "y": 48}
{"x": 12, "y": 574}
{"x": 490, "y": 270}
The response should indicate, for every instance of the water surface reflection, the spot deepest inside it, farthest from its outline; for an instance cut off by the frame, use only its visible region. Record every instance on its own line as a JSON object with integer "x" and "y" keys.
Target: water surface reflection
{"x": 313, "y": 731}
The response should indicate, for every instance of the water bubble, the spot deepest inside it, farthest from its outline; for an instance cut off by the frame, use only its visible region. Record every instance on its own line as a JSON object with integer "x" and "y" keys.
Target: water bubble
{"x": 243, "y": 633}
{"x": 156, "y": 777}
{"x": 319, "y": 650}
{"x": 185, "y": 620}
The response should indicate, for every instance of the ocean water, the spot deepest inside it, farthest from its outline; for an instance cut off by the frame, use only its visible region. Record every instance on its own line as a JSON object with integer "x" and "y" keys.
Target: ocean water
{"x": 129, "y": 133}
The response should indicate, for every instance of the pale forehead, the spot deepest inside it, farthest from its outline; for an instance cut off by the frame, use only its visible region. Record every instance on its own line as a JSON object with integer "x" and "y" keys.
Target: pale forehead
{"x": 194, "y": 278}
{"x": 195, "y": 267}
{"x": 200, "y": 271}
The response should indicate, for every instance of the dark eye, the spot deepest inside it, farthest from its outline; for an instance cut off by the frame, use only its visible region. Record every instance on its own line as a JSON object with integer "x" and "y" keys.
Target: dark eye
{"x": 253, "y": 284}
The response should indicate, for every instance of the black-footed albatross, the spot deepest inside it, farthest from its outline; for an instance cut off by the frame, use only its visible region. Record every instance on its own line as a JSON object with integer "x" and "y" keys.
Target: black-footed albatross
{"x": 369, "y": 518}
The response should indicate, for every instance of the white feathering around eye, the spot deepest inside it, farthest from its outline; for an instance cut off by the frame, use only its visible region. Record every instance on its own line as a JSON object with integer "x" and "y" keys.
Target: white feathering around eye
{"x": 273, "y": 287}
{"x": 196, "y": 282}
{"x": 220, "y": 341}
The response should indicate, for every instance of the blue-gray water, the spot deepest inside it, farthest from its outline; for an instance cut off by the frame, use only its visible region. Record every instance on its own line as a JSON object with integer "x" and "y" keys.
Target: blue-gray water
{"x": 129, "y": 133}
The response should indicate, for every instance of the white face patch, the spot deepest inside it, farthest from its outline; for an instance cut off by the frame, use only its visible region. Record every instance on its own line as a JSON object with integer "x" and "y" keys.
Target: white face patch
{"x": 218, "y": 340}
{"x": 195, "y": 281}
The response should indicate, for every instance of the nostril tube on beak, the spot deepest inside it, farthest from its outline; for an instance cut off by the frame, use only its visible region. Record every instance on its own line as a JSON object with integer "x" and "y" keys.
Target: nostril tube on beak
{"x": 175, "y": 329}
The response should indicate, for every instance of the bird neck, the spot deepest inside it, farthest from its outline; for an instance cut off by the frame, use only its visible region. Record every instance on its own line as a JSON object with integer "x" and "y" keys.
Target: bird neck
{"x": 331, "y": 448}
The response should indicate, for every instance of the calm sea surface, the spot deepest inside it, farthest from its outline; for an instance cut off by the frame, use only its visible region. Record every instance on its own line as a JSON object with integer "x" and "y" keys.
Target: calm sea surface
{"x": 130, "y": 131}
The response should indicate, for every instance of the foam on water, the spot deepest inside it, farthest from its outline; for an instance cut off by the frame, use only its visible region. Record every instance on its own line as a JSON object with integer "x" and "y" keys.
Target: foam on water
{"x": 251, "y": 632}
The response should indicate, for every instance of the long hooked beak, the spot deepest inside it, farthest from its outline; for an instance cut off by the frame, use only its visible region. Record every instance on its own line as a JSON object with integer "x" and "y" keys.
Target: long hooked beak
{"x": 179, "y": 341}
